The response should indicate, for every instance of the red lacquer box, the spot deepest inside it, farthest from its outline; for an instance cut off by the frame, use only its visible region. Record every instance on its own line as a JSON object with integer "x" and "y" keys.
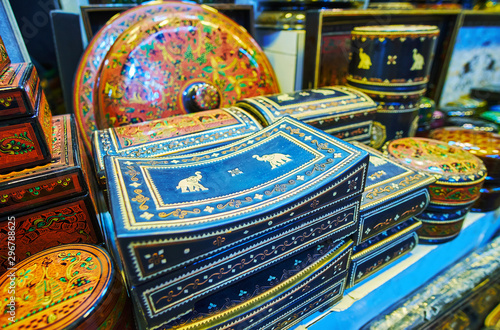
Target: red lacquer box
{"x": 25, "y": 120}
{"x": 51, "y": 203}
{"x": 4, "y": 58}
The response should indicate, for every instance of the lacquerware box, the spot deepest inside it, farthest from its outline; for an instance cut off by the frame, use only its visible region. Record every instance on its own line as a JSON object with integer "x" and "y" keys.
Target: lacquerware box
{"x": 229, "y": 217}
{"x": 51, "y": 203}
{"x": 393, "y": 194}
{"x": 179, "y": 134}
{"x": 25, "y": 119}
{"x": 380, "y": 251}
{"x": 340, "y": 111}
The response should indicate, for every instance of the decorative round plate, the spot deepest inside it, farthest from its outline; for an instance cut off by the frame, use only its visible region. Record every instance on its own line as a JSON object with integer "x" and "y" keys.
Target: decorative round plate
{"x": 175, "y": 63}
{"x": 90, "y": 63}
{"x": 447, "y": 163}
{"x": 57, "y": 288}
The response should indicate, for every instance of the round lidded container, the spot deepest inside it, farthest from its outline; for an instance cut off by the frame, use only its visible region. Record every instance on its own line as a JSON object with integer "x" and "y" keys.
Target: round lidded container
{"x": 459, "y": 174}
{"x": 485, "y": 145}
{"x": 473, "y": 123}
{"x": 392, "y": 61}
{"x": 187, "y": 59}
{"x": 394, "y": 120}
{"x": 72, "y": 286}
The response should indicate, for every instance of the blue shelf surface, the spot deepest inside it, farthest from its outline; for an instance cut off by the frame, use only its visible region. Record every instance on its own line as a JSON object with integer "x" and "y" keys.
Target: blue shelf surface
{"x": 369, "y": 298}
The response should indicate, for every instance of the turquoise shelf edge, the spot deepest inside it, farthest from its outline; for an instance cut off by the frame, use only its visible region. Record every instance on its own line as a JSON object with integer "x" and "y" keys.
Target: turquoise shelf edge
{"x": 365, "y": 301}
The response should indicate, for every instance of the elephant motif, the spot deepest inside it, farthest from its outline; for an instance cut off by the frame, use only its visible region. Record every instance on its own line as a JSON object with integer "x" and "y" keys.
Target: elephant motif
{"x": 191, "y": 183}
{"x": 418, "y": 61}
{"x": 364, "y": 60}
{"x": 275, "y": 160}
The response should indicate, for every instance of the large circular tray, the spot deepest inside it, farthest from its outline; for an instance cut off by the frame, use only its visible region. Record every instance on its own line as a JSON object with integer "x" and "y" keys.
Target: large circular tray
{"x": 180, "y": 15}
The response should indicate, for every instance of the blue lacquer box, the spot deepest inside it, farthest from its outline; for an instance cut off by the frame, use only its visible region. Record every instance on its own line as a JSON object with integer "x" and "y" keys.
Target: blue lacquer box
{"x": 279, "y": 297}
{"x": 393, "y": 194}
{"x": 174, "y": 135}
{"x": 381, "y": 250}
{"x": 240, "y": 210}
{"x": 340, "y": 111}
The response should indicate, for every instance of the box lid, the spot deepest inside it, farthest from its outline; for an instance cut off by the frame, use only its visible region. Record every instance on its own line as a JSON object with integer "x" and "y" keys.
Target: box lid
{"x": 64, "y": 160}
{"x": 19, "y": 85}
{"x": 448, "y": 164}
{"x": 178, "y": 134}
{"x": 309, "y": 105}
{"x": 265, "y": 171}
{"x": 388, "y": 180}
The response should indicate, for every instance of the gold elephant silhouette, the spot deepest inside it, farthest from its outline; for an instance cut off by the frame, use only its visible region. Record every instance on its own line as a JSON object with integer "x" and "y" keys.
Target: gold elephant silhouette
{"x": 364, "y": 60}
{"x": 275, "y": 160}
{"x": 191, "y": 183}
{"x": 418, "y": 61}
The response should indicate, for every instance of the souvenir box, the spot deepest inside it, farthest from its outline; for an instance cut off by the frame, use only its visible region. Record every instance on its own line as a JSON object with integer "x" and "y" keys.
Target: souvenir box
{"x": 51, "y": 203}
{"x": 484, "y": 145}
{"x": 266, "y": 299}
{"x": 380, "y": 251}
{"x": 26, "y": 141}
{"x": 62, "y": 178}
{"x": 340, "y": 111}
{"x": 476, "y": 124}
{"x": 19, "y": 90}
{"x": 459, "y": 174}
{"x": 73, "y": 286}
{"x": 178, "y": 134}
{"x": 394, "y": 120}
{"x": 439, "y": 231}
{"x": 392, "y": 61}
{"x": 213, "y": 211}
{"x": 393, "y": 194}
{"x": 4, "y": 58}
{"x": 444, "y": 213}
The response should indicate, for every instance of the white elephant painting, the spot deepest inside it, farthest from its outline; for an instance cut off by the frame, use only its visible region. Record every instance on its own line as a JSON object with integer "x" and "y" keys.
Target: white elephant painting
{"x": 191, "y": 183}
{"x": 275, "y": 160}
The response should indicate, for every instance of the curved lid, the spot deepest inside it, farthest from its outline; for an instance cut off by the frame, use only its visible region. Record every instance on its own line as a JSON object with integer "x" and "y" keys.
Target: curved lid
{"x": 447, "y": 163}
{"x": 391, "y": 29}
{"x": 178, "y": 62}
{"x": 478, "y": 143}
{"x": 473, "y": 123}
{"x": 56, "y": 288}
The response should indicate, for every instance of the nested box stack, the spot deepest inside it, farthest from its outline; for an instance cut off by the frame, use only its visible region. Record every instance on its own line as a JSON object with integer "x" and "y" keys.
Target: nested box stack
{"x": 393, "y": 195}
{"x": 73, "y": 286}
{"x": 174, "y": 135}
{"x": 51, "y": 203}
{"x": 391, "y": 64}
{"x": 486, "y": 146}
{"x": 343, "y": 112}
{"x": 459, "y": 178}
{"x": 25, "y": 119}
{"x": 242, "y": 235}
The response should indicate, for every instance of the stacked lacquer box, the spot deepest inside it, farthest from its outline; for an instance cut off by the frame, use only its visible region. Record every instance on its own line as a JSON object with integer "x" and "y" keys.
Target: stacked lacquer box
{"x": 254, "y": 234}
{"x": 394, "y": 193}
{"x": 392, "y": 64}
{"x": 44, "y": 192}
